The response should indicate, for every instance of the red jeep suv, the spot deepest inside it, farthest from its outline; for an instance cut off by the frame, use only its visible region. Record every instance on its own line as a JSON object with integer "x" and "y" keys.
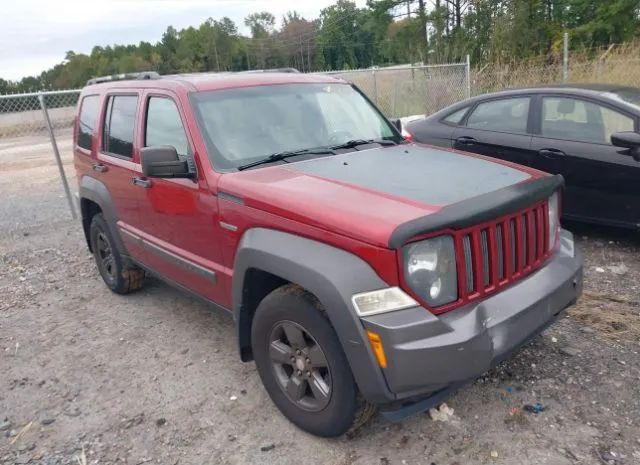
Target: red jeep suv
{"x": 361, "y": 270}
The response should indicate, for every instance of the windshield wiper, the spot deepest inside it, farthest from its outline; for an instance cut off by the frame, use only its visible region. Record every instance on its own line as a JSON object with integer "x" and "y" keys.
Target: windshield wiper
{"x": 286, "y": 154}
{"x": 356, "y": 142}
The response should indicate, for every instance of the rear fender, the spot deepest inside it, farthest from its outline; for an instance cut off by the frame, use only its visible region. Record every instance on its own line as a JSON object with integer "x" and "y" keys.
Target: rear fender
{"x": 94, "y": 190}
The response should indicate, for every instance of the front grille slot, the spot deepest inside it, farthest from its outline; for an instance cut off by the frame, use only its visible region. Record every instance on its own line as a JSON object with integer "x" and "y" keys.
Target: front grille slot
{"x": 500, "y": 247}
{"x": 524, "y": 241}
{"x": 485, "y": 257}
{"x": 497, "y": 253}
{"x": 466, "y": 246}
{"x": 512, "y": 240}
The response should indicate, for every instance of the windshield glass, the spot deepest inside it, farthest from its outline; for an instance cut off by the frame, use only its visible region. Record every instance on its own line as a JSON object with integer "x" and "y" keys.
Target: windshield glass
{"x": 247, "y": 124}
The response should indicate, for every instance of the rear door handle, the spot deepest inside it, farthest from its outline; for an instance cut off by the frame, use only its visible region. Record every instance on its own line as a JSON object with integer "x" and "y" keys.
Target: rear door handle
{"x": 465, "y": 140}
{"x": 552, "y": 153}
{"x": 99, "y": 167}
{"x": 141, "y": 182}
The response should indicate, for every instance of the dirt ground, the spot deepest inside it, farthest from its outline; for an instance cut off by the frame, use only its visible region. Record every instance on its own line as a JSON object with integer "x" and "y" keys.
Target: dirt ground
{"x": 87, "y": 376}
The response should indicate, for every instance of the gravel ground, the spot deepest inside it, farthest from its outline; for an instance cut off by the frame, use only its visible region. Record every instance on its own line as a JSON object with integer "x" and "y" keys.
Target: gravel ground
{"x": 154, "y": 377}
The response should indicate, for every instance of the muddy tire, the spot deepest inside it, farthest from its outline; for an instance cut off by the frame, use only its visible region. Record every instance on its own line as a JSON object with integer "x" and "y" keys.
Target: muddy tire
{"x": 119, "y": 276}
{"x": 302, "y": 364}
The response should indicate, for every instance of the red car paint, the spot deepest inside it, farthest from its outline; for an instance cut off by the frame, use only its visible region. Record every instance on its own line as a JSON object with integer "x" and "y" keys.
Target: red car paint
{"x": 184, "y": 216}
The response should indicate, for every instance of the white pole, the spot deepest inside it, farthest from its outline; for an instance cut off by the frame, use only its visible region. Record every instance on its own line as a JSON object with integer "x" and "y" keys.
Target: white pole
{"x": 565, "y": 58}
{"x": 468, "y": 76}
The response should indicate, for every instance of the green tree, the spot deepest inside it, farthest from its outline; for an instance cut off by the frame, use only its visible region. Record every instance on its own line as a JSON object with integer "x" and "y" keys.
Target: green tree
{"x": 262, "y": 27}
{"x": 345, "y": 37}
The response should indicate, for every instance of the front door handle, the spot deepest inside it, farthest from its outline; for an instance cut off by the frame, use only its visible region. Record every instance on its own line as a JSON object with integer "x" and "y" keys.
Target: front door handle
{"x": 99, "y": 167}
{"x": 141, "y": 182}
{"x": 466, "y": 140}
{"x": 552, "y": 153}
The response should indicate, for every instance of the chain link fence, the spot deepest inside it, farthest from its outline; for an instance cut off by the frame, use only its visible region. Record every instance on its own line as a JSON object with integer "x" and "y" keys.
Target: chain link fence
{"x": 35, "y": 119}
{"x": 22, "y": 114}
{"x": 615, "y": 64}
{"x": 402, "y": 91}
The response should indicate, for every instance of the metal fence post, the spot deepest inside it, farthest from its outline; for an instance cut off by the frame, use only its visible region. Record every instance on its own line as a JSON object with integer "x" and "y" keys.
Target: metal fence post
{"x": 468, "y": 76}
{"x": 601, "y": 62}
{"x": 375, "y": 87}
{"x": 56, "y": 153}
{"x": 565, "y": 58}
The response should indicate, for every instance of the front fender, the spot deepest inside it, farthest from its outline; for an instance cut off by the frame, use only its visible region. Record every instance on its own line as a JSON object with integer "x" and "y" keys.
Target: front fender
{"x": 332, "y": 275}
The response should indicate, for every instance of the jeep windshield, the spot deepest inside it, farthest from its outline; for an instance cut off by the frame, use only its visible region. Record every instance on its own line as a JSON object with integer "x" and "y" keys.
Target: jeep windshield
{"x": 246, "y": 125}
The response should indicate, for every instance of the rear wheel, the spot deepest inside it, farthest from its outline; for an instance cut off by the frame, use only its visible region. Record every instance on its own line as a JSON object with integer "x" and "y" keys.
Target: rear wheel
{"x": 302, "y": 365}
{"x": 117, "y": 275}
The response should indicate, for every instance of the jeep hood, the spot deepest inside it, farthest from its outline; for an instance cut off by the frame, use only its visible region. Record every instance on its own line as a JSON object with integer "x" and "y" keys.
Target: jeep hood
{"x": 367, "y": 194}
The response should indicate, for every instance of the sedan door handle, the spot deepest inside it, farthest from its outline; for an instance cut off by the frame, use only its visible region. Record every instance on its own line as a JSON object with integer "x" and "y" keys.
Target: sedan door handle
{"x": 552, "y": 153}
{"x": 99, "y": 167}
{"x": 466, "y": 140}
{"x": 141, "y": 182}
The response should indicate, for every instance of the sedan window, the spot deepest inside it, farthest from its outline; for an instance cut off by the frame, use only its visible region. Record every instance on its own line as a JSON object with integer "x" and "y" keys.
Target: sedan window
{"x": 456, "y": 116}
{"x": 504, "y": 115}
{"x": 579, "y": 120}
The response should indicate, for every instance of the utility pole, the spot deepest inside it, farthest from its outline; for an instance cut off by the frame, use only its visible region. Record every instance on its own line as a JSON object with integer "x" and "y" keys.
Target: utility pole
{"x": 215, "y": 49}
{"x": 422, "y": 14}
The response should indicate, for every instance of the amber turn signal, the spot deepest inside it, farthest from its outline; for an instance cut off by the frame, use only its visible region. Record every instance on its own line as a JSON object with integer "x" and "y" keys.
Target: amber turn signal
{"x": 378, "y": 349}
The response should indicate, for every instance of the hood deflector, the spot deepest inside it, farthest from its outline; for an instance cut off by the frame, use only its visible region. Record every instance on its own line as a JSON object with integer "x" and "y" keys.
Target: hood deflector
{"x": 478, "y": 209}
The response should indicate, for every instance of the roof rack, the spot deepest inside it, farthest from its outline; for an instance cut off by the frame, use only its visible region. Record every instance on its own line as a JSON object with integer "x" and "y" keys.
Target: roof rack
{"x": 272, "y": 70}
{"x": 124, "y": 77}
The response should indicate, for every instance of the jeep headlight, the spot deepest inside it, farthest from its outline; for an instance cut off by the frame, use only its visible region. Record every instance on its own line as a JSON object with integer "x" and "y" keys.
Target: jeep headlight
{"x": 430, "y": 270}
{"x": 554, "y": 219}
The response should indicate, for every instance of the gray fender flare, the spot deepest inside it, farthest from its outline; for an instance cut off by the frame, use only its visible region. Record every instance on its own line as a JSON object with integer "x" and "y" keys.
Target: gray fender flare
{"x": 94, "y": 190}
{"x": 333, "y": 276}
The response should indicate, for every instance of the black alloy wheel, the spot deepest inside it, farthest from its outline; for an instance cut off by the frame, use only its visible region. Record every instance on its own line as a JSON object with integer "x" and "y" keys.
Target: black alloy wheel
{"x": 300, "y": 366}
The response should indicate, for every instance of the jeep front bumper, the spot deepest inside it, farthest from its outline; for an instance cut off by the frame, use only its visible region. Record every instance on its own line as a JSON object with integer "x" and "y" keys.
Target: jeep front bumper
{"x": 428, "y": 354}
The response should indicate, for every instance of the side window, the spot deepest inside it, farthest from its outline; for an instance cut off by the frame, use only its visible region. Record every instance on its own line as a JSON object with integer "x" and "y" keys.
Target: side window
{"x": 579, "y": 120}
{"x": 456, "y": 116}
{"x": 164, "y": 126}
{"x": 87, "y": 120}
{"x": 504, "y": 115}
{"x": 119, "y": 125}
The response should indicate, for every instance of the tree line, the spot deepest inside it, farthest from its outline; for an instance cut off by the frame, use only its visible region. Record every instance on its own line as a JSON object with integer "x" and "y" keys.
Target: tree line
{"x": 384, "y": 32}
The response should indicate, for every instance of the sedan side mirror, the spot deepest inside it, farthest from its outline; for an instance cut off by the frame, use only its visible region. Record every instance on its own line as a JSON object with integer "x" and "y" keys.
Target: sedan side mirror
{"x": 162, "y": 161}
{"x": 629, "y": 140}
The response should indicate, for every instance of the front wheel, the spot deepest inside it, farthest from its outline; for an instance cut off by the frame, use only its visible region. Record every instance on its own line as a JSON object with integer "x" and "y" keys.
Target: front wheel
{"x": 302, "y": 365}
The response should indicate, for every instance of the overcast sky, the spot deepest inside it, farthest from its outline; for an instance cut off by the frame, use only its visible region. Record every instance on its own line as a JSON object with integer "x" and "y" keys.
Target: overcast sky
{"x": 36, "y": 34}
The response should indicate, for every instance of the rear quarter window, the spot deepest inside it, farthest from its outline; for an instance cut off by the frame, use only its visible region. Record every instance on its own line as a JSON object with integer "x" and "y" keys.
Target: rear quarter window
{"x": 456, "y": 116}
{"x": 87, "y": 120}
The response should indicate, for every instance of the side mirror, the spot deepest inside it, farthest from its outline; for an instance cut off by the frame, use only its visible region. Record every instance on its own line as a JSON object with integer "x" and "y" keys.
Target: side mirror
{"x": 162, "y": 161}
{"x": 629, "y": 140}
